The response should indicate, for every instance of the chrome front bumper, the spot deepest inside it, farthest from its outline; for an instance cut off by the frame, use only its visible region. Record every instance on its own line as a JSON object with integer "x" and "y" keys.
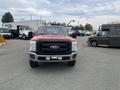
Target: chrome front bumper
{"x": 52, "y": 58}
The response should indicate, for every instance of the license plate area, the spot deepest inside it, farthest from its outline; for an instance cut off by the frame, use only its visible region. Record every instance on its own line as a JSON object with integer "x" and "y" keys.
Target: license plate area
{"x": 48, "y": 58}
{"x": 53, "y": 58}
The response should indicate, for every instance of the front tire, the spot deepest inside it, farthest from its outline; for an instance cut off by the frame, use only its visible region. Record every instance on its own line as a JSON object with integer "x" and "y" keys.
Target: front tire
{"x": 33, "y": 64}
{"x": 94, "y": 44}
{"x": 72, "y": 63}
{"x": 24, "y": 37}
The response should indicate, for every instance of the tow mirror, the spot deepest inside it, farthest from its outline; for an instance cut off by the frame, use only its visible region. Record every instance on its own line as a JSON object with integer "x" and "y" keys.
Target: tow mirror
{"x": 73, "y": 35}
{"x": 98, "y": 34}
{"x": 34, "y": 33}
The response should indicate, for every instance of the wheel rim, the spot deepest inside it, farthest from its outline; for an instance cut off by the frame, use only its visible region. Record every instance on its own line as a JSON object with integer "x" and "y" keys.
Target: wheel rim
{"x": 23, "y": 36}
{"x": 94, "y": 44}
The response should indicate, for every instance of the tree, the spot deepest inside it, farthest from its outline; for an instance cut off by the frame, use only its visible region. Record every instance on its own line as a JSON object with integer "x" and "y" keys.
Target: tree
{"x": 77, "y": 28}
{"x": 7, "y": 17}
{"x": 88, "y": 27}
{"x": 81, "y": 27}
{"x": 57, "y": 24}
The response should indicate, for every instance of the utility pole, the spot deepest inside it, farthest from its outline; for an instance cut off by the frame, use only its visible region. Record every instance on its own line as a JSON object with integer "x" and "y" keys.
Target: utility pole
{"x": 40, "y": 17}
{"x": 78, "y": 22}
{"x": 31, "y": 17}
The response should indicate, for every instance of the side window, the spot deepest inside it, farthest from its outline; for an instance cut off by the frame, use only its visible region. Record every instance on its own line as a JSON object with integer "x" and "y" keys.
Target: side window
{"x": 104, "y": 32}
{"x": 20, "y": 28}
{"x": 117, "y": 28}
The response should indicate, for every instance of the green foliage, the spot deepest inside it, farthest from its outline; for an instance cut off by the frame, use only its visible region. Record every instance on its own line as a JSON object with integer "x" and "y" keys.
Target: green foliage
{"x": 88, "y": 27}
{"x": 57, "y": 24}
{"x": 80, "y": 27}
{"x": 7, "y": 17}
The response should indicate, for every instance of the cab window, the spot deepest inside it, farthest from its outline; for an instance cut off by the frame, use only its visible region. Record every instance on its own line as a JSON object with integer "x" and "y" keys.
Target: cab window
{"x": 104, "y": 32}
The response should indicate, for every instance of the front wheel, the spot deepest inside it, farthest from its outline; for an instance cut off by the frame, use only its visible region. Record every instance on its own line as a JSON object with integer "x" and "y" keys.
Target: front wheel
{"x": 72, "y": 63}
{"x": 94, "y": 43}
{"x": 24, "y": 37}
{"x": 33, "y": 64}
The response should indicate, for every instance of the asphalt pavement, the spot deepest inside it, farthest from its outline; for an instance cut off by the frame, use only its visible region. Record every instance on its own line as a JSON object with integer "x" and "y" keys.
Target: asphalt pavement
{"x": 96, "y": 69}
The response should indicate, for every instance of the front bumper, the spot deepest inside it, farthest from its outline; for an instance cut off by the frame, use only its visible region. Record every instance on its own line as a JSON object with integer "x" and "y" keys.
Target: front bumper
{"x": 52, "y": 58}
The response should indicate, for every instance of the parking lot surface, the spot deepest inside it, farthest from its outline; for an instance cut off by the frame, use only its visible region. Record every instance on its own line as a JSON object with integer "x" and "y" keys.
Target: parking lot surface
{"x": 96, "y": 69}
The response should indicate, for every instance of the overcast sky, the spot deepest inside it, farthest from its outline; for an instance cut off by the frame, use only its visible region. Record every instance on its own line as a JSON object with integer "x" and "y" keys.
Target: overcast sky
{"x": 95, "y": 12}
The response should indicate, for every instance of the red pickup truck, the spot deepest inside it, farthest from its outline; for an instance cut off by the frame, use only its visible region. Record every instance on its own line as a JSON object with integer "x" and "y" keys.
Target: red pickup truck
{"x": 52, "y": 44}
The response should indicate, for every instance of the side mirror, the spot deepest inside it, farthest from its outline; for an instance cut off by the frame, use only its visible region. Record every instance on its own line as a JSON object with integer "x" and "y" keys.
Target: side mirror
{"x": 98, "y": 34}
{"x": 34, "y": 33}
{"x": 73, "y": 35}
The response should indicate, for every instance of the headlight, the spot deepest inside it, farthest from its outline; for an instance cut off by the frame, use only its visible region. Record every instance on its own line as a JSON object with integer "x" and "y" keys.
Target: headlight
{"x": 74, "y": 46}
{"x": 32, "y": 46}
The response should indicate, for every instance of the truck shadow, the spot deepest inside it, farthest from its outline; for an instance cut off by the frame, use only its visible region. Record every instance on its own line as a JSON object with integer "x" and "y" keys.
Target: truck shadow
{"x": 52, "y": 64}
{"x": 53, "y": 67}
{"x": 114, "y": 47}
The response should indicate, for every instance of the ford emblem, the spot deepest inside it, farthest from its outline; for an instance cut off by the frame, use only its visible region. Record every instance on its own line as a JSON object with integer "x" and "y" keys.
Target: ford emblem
{"x": 54, "y": 47}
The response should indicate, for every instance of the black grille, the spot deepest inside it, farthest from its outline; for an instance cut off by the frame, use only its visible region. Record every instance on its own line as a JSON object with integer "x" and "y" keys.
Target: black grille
{"x": 30, "y": 34}
{"x": 43, "y": 47}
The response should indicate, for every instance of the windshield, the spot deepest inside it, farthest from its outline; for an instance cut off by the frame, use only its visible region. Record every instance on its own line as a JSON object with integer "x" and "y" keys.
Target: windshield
{"x": 25, "y": 28}
{"x": 51, "y": 31}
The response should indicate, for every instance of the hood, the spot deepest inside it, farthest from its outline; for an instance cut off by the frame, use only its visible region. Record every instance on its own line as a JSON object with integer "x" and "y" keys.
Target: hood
{"x": 54, "y": 37}
{"x": 26, "y": 31}
{"x": 91, "y": 37}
